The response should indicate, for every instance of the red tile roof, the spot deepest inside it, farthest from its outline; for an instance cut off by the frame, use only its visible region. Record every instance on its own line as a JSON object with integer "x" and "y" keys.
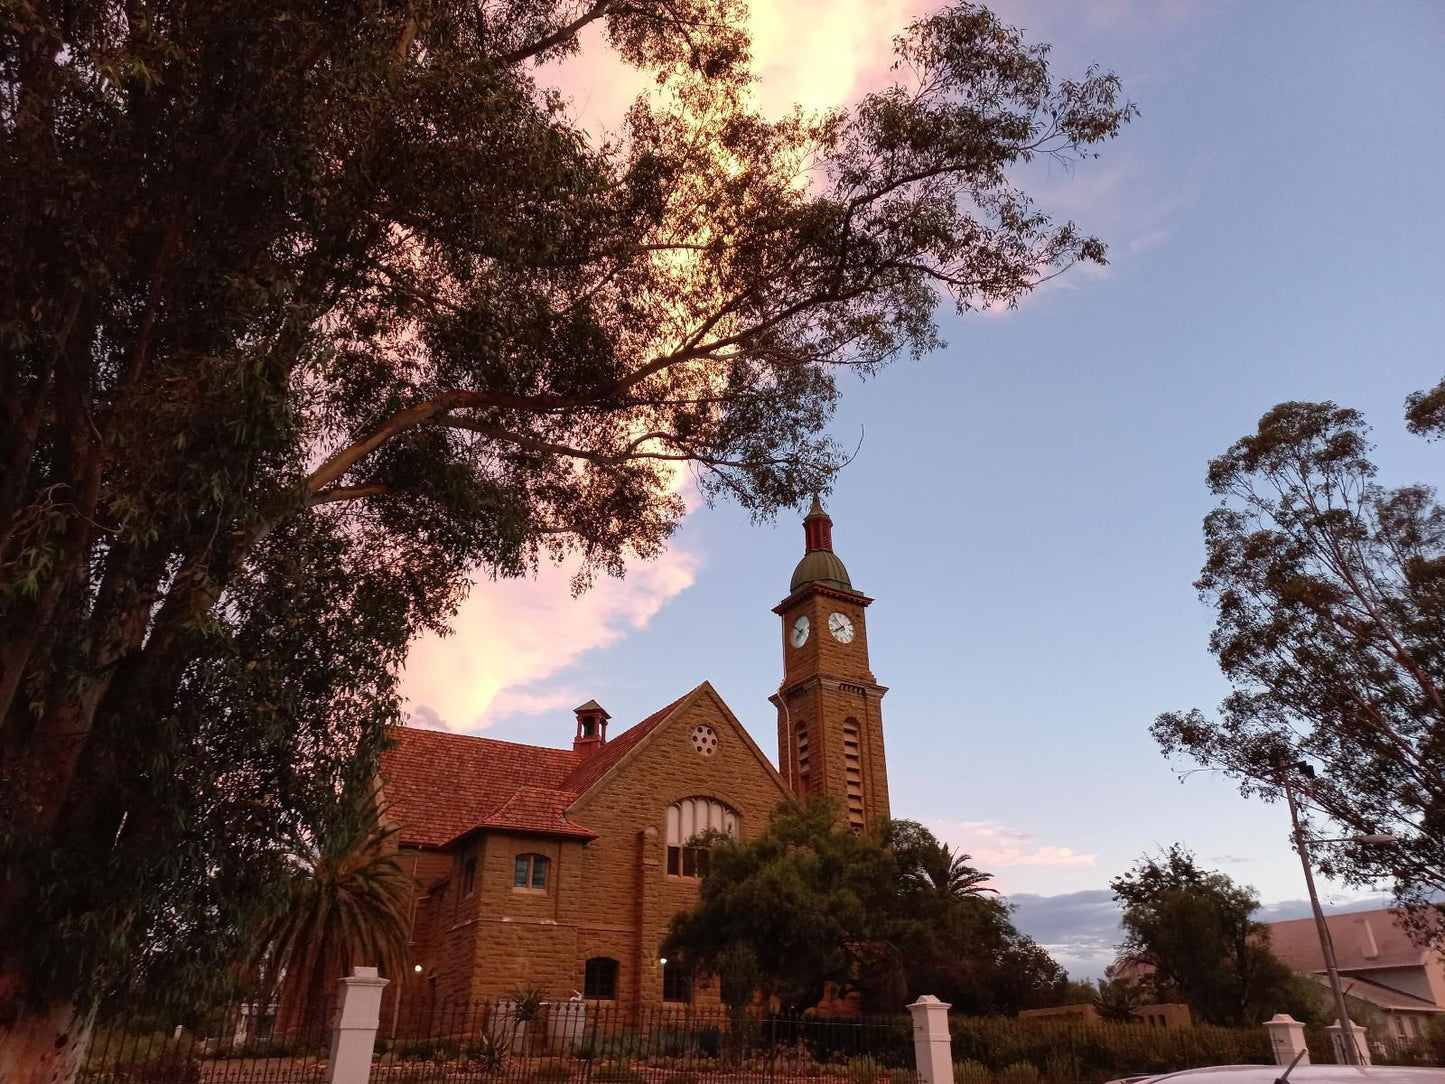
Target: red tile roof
{"x": 533, "y": 809}
{"x": 596, "y": 766}
{"x": 441, "y": 785}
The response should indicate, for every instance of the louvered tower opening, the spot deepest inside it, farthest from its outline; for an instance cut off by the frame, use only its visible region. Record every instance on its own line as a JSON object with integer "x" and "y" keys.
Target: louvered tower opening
{"x": 853, "y": 773}
{"x": 802, "y": 761}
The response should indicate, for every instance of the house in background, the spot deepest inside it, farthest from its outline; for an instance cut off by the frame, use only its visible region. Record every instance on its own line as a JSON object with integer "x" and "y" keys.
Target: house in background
{"x": 1377, "y": 961}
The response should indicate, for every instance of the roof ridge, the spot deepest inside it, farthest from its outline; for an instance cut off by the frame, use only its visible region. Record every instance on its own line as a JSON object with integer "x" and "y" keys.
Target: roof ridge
{"x": 480, "y": 737}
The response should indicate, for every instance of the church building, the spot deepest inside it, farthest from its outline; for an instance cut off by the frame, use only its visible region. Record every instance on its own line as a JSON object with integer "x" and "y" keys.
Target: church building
{"x": 560, "y": 868}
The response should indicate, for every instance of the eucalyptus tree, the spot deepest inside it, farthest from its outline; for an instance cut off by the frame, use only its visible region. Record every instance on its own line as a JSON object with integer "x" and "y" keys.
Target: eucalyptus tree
{"x": 1329, "y": 591}
{"x": 312, "y": 312}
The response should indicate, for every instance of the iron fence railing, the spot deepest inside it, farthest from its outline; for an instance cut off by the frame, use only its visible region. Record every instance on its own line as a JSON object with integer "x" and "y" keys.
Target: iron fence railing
{"x": 586, "y": 1042}
{"x": 243, "y": 1044}
{"x": 589, "y": 1042}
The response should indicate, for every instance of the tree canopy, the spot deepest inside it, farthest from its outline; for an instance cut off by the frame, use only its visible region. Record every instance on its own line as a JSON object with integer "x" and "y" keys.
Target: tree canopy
{"x": 809, "y": 904}
{"x": 311, "y": 313}
{"x": 1329, "y": 590}
{"x": 1191, "y": 937}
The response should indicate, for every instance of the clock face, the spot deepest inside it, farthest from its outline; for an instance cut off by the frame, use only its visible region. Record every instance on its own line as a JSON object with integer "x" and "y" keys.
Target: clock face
{"x": 799, "y": 635}
{"x": 840, "y": 627}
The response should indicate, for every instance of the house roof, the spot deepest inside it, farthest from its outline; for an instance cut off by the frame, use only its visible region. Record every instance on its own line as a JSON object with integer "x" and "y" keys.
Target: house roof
{"x": 1362, "y": 940}
{"x": 439, "y": 786}
{"x": 1386, "y": 997}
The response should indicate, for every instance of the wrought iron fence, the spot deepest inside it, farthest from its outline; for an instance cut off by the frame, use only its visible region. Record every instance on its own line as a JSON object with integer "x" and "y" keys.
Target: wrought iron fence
{"x": 243, "y": 1044}
{"x": 585, "y": 1042}
{"x": 506, "y": 1042}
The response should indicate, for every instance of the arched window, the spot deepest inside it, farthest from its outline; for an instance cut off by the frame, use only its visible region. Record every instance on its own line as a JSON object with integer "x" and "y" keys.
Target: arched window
{"x": 688, "y": 819}
{"x": 599, "y": 979}
{"x": 675, "y": 986}
{"x": 530, "y": 873}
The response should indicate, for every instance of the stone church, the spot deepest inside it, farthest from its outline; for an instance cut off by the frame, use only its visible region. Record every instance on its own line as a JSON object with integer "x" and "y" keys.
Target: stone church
{"x": 560, "y": 869}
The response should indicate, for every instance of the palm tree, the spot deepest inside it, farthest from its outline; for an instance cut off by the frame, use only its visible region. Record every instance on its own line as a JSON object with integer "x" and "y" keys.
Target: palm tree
{"x": 948, "y": 873}
{"x": 348, "y": 904}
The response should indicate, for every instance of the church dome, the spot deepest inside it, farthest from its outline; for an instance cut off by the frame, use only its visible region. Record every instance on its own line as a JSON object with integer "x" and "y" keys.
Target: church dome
{"x": 819, "y": 564}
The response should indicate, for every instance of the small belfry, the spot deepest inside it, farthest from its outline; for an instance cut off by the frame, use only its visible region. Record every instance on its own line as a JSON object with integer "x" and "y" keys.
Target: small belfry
{"x": 830, "y": 720}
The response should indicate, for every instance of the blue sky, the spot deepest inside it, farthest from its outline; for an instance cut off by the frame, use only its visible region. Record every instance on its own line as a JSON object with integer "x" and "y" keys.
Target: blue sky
{"x": 1026, "y": 503}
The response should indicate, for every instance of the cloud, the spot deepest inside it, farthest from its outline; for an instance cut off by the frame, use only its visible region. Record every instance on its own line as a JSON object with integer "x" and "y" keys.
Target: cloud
{"x": 996, "y": 846}
{"x": 1284, "y": 910}
{"x": 1079, "y": 929}
{"x": 512, "y": 635}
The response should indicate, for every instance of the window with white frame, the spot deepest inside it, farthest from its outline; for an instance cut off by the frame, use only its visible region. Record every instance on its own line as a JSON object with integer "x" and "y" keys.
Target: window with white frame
{"x": 686, "y": 821}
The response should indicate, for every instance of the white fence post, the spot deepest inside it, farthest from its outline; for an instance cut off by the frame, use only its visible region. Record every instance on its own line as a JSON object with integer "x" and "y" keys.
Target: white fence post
{"x": 1337, "y": 1041}
{"x": 1287, "y": 1039}
{"x": 932, "y": 1049}
{"x": 354, "y": 1036}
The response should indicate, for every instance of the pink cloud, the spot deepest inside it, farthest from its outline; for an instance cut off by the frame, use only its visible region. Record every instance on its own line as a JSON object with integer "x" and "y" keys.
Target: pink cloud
{"x": 816, "y": 53}
{"x": 996, "y": 846}
{"x": 511, "y": 635}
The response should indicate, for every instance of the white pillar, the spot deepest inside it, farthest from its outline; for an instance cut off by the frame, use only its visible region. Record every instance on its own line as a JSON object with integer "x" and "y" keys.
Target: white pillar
{"x": 932, "y": 1049}
{"x": 354, "y": 1035}
{"x": 1337, "y": 1041}
{"x": 1287, "y": 1039}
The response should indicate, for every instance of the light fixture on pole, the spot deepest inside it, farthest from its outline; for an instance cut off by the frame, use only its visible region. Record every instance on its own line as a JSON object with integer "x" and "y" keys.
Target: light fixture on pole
{"x": 1327, "y": 945}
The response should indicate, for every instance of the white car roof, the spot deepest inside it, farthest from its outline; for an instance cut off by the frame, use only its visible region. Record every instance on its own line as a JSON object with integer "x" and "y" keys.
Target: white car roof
{"x": 1302, "y": 1074}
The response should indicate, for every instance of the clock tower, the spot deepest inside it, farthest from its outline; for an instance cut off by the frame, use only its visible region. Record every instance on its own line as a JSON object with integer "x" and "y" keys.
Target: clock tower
{"x": 830, "y": 723}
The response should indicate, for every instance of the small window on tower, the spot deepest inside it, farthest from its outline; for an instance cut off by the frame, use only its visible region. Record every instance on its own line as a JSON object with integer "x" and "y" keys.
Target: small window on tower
{"x": 469, "y": 876}
{"x": 530, "y": 873}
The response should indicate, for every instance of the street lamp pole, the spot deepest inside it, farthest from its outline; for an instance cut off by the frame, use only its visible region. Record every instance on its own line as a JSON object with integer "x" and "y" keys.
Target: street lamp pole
{"x": 1327, "y": 945}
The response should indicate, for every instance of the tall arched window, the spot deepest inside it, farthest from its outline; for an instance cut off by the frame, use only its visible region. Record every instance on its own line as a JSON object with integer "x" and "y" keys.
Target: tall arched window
{"x": 599, "y": 979}
{"x": 688, "y": 819}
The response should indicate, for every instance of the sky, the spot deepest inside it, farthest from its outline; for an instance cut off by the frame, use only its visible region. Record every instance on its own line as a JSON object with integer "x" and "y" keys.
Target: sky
{"x": 1026, "y": 503}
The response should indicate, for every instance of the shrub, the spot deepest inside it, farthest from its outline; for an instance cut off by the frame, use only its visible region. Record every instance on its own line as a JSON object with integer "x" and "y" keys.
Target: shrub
{"x": 971, "y": 1072}
{"x": 1020, "y": 1072}
{"x": 489, "y": 1052}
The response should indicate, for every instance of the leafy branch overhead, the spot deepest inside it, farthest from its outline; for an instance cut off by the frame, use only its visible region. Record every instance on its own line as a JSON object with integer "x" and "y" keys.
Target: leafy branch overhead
{"x": 309, "y": 315}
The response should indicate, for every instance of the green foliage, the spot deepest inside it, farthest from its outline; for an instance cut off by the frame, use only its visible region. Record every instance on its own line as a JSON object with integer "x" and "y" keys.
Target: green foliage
{"x": 810, "y": 902}
{"x": 309, "y": 315}
{"x": 487, "y": 1051}
{"x": 348, "y": 904}
{"x": 1100, "y": 1052}
{"x": 1117, "y": 1000}
{"x": 1329, "y": 590}
{"x": 1191, "y": 933}
{"x": 1019, "y": 1073}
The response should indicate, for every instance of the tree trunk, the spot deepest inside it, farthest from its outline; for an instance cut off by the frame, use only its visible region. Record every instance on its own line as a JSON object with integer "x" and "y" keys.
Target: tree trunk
{"x": 45, "y": 1044}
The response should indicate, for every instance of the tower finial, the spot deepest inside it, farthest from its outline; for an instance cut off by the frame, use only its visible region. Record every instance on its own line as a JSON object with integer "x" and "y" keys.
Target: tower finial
{"x": 817, "y": 528}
